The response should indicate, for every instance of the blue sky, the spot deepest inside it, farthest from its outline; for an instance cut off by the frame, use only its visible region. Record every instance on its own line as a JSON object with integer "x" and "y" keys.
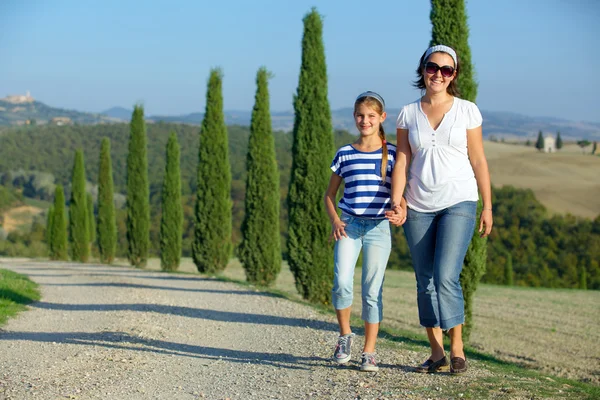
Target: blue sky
{"x": 538, "y": 58}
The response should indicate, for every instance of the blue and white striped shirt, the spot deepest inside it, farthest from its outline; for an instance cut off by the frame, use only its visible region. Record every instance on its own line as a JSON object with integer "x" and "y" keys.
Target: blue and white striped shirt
{"x": 364, "y": 193}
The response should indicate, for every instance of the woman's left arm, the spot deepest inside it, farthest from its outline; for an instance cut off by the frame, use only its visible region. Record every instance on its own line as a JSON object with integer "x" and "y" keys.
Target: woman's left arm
{"x": 482, "y": 175}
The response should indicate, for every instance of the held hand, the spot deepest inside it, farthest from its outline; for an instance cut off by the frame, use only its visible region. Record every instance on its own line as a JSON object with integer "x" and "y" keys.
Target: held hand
{"x": 397, "y": 217}
{"x": 337, "y": 230}
{"x": 486, "y": 221}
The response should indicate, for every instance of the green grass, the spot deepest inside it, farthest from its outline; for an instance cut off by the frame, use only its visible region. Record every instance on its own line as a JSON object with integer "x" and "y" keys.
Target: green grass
{"x": 16, "y": 291}
{"x": 37, "y": 203}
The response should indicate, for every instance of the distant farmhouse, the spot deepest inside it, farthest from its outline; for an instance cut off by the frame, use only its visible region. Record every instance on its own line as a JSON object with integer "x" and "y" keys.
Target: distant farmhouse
{"x": 19, "y": 98}
{"x": 549, "y": 144}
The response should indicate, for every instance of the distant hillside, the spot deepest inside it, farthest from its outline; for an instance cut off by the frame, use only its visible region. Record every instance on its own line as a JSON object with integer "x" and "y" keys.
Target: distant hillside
{"x": 496, "y": 124}
{"x": 39, "y": 113}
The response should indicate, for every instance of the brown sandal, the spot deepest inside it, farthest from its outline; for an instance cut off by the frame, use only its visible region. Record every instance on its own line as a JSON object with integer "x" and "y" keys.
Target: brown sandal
{"x": 430, "y": 366}
{"x": 458, "y": 365}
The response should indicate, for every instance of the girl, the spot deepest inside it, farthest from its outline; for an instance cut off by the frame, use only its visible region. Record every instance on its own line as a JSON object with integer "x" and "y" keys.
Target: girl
{"x": 365, "y": 166}
{"x": 440, "y": 150}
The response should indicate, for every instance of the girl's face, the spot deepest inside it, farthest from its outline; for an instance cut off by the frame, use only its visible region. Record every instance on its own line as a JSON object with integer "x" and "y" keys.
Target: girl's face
{"x": 436, "y": 81}
{"x": 368, "y": 119}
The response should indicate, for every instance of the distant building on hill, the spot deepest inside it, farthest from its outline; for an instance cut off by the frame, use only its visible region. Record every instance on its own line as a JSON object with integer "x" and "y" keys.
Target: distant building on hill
{"x": 61, "y": 121}
{"x": 19, "y": 98}
{"x": 549, "y": 144}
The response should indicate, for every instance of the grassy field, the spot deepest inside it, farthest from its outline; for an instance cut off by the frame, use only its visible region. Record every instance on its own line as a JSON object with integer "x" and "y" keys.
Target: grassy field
{"x": 16, "y": 291}
{"x": 564, "y": 182}
{"x": 555, "y": 331}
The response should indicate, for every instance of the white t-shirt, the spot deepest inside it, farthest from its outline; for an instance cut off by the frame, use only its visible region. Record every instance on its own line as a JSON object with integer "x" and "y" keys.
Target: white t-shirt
{"x": 440, "y": 174}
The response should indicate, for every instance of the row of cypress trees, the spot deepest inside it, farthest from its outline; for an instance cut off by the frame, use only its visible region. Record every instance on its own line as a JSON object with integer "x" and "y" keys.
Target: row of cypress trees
{"x": 309, "y": 252}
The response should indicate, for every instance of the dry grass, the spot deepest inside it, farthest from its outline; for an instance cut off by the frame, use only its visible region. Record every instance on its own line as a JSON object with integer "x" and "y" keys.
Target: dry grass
{"x": 564, "y": 182}
{"x": 554, "y": 330}
{"x": 20, "y": 217}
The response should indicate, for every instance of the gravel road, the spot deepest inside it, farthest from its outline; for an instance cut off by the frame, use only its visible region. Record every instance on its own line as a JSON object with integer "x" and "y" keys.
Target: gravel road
{"x": 120, "y": 333}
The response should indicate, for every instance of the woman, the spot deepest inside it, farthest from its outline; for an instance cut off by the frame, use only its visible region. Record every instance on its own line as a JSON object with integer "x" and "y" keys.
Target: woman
{"x": 440, "y": 167}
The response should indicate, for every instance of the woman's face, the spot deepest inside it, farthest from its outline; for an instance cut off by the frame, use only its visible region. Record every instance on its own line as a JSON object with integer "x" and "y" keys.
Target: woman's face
{"x": 367, "y": 119}
{"x": 435, "y": 81}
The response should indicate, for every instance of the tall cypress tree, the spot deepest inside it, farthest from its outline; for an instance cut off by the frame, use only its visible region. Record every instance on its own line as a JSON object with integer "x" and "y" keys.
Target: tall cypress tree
{"x": 449, "y": 27}
{"x": 310, "y": 255}
{"x": 107, "y": 223}
{"x": 49, "y": 221}
{"x": 138, "y": 192}
{"x": 212, "y": 244}
{"x": 539, "y": 144}
{"x": 58, "y": 245}
{"x": 91, "y": 219}
{"x": 260, "y": 250}
{"x": 559, "y": 141}
{"x": 171, "y": 223}
{"x": 78, "y": 214}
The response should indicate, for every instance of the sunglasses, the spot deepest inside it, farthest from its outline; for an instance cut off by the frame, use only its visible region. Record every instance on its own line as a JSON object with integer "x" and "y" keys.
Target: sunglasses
{"x": 432, "y": 68}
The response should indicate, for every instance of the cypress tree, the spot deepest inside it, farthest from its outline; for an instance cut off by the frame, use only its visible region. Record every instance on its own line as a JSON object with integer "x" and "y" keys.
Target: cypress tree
{"x": 58, "y": 245}
{"x": 449, "y": 27}
{"x": 138, "y": 192}
{"x": 107, "y": 223}
{"x": 310, "y": 255}
{"x": 260, "y": 250}
{"x": 78, "y": 214}
{"x": 91, "y": 219}
{"x": 508, "y": 271}
{"x": 212, "y": 244}
{"x": 559, "y": 142}
{"x": 539, "y": 144}
{"x": 171, "y": 223}
{"x": 49, "y": 220}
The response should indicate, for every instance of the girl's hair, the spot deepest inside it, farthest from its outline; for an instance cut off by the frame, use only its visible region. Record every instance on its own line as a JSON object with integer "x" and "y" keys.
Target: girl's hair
{"x": 375, "y": 104}
{"x": 420, "y": 82}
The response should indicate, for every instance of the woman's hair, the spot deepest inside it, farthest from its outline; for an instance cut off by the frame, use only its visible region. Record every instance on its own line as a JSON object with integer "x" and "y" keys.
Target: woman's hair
{"x": 376, "y": 105}
{"x": 420, "y": 82}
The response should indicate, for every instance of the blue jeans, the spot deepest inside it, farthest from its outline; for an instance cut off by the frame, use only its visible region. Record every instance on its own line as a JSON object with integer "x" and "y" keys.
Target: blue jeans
{"x": 438, "y": 242}
{"x": 374, "y": 238}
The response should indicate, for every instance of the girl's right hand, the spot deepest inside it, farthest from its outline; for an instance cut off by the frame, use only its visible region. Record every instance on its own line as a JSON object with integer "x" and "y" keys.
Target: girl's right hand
{"x": 337, "y": 230}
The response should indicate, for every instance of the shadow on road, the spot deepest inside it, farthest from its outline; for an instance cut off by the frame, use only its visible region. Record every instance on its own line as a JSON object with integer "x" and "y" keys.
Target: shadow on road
{"x": 124, "y": 341}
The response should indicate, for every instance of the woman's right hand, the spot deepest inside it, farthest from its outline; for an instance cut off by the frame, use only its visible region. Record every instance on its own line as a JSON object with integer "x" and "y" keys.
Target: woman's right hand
{"x": 337, "y": 230}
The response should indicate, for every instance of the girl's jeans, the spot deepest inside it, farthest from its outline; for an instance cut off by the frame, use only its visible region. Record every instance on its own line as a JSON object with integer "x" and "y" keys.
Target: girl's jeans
{"x": 374, "y": 238}
{"x": 438, "y": 243}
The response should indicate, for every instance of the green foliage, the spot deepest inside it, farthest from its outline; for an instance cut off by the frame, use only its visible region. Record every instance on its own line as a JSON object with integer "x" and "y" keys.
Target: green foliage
{"x": 310, "y": 254}
{"x": 212, "y": 233}
{"x": 107, "y": 224}
{"x": 58, "y": 246}
{"x": 91, "y": 221}
{"x": 138, "y": 207}
{"x": 171, "y": 223}
{"x": 594, "y": 147}
{"x": 9, "y": 198}
{"x": 559, "y": 141}
{"x": 49, "y": 221}
{"x": 539, "y": 144}
{"x": 473, "y": 269}
{"x": 583, "y": 279}
{"x": 16, "y": 291}
{"x": 260, "y": 250}
{"x": 508, "y": 271}
{"x": 583, "y": 143}
{"x": 78, "y": 214}
{"x": 449, "y": 27}
{"x": 547, "y": 251}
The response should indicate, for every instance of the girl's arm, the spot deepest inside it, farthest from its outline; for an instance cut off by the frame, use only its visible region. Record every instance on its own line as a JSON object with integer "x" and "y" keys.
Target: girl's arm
{"x": 482, "y": 175}
{"x": 400, "y": 172}
{"x": 337, "y": 226}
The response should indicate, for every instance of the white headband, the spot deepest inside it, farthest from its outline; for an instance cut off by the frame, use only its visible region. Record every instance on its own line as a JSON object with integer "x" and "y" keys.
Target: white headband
{"x": 373, "y": 95}
{"x": 444, "y": 49}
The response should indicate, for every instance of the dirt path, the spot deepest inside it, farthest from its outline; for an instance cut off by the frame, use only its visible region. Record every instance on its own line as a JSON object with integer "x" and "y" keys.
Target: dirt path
{"x": 120, "y": 333}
